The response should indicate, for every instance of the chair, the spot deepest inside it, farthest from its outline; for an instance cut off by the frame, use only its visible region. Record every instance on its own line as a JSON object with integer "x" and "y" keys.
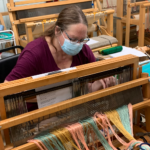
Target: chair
{"x": 8, "y": 63}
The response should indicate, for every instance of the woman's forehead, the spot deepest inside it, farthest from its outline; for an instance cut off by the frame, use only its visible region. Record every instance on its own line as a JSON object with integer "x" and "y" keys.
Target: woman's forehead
{"x": 78, "y": 29}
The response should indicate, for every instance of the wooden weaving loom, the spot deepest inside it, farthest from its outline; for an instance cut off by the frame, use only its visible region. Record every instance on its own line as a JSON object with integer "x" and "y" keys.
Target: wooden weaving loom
{"x": 26, "y": 84}
{"x": 2, "y": 20}
{"x": 127, "y": 21}
{"x": 25, "y": 18}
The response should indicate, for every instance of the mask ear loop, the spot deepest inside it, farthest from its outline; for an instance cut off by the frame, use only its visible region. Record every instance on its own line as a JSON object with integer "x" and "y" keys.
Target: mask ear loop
{"x": 63, "y": 37}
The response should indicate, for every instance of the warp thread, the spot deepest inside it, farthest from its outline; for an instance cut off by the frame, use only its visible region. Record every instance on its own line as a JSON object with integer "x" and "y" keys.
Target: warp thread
{"x": 77, "y": 136}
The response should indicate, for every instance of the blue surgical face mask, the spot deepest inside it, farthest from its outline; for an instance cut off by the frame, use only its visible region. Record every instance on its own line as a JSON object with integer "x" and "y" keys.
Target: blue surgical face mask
{"x": 71, "y": 48}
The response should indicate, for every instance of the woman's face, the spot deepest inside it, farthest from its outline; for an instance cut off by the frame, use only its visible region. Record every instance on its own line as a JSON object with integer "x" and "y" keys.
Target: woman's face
{"x": 76, "y": 32}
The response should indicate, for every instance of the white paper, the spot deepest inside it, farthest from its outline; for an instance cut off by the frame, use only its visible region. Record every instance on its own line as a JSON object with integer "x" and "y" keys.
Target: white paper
{"x": 45, "y": 74}
{"x": 54, "y": 97}
{"x": 91, "y": 41}
{"x": 126, "y": 51}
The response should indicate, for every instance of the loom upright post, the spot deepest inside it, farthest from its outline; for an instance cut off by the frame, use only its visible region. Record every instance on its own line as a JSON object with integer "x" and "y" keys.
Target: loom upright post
{"x": 110, "y": 24}
{"x": 1, "y": 142}
{"x": 3, "y": 116}
{"x": 141, "y": 26}
{"x": 127, "y": 38}
{"x": 29, "y": 33}
{"x": 119, "y": 33}
{"x": 12, "y": 17}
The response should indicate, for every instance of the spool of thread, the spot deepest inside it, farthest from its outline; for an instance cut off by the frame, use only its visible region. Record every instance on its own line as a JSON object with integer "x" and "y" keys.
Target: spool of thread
{"x": 1, "y": 27}
{"x": 112, "y": 50}
{"x": 100, "y": 51}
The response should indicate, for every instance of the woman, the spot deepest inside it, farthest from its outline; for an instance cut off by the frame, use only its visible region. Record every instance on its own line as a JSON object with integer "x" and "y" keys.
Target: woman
{"x": 62, "y": 46}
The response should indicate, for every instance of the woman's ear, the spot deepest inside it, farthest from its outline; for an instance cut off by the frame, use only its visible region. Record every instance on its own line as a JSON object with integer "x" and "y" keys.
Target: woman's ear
{"x": 57, "y": 30}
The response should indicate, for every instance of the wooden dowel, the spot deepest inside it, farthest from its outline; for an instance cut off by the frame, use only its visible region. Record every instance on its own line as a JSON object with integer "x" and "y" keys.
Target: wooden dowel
{"x": 146, "y": 5}
{"x": 11, "y": 9}
{"x": 136, "y": 4}
{"x": 31, "y": 1}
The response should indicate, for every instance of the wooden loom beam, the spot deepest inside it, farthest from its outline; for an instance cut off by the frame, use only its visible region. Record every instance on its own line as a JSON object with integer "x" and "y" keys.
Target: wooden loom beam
{"x": 146, "y": 5}
{"x": 46, "y": 5}
{"x": 39, "y": 18}
{"x": 32, "y": 19}
{"x": 72, "y": 102}
{"x": 28, "y": 83}
{"x": 31, "y": 1}
{"x": 136, "y": 4}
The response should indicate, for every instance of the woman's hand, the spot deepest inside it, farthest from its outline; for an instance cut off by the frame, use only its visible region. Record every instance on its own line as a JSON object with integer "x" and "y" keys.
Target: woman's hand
{"x": 101, "y": 84}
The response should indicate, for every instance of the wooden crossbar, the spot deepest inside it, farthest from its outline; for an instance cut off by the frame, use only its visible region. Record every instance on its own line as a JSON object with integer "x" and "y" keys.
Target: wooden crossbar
{"x": 11, "y": 9}
{"x": 146, "y": 5}
{"x": 137, "y": 3}
{"x": 50, "y": 16}
{"x": 56, "y": 16}
{"x": 31, "y": 1}
{"x": 70, "y": 103}
{"x": 83, "y": 70}
{"x": 34, "y": 1}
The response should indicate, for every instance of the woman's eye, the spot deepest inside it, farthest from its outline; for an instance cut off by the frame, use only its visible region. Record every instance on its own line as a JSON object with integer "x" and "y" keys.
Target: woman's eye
{"x": 74, "y": 40}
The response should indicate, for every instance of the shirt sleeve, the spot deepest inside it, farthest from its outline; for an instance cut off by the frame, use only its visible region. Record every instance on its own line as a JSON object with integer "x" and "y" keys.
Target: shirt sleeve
{"x": 90, "y": 55}
{"x": 26, "y": 66}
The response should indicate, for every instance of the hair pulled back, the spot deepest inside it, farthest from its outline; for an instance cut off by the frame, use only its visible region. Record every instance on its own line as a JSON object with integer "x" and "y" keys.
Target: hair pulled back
{"x": 68, "y": 16}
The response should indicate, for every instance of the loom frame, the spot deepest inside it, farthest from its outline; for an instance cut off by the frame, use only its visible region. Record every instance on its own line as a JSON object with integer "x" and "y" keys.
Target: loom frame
{"x": 12, "y": 9}
{"x": 127, "y": 21}
{"x": 2, "y": 20}
{"x": 83, "y": 70}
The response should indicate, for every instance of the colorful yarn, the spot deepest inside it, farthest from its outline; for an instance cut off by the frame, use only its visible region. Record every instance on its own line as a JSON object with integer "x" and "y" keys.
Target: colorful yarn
{"x": 65, "y": 137}
{"x": 76, "y": 136}
{"x": 115, "y": 119}
{"x": 106, "y": 124}
{"x": 76, "y": 131}
{"x": 50, "y": 141}
{"x": 131, "y": 117}
{"x": 124, "y": 116}
{"x": 98, "y": 133}
{"x": 37, "y": 143}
